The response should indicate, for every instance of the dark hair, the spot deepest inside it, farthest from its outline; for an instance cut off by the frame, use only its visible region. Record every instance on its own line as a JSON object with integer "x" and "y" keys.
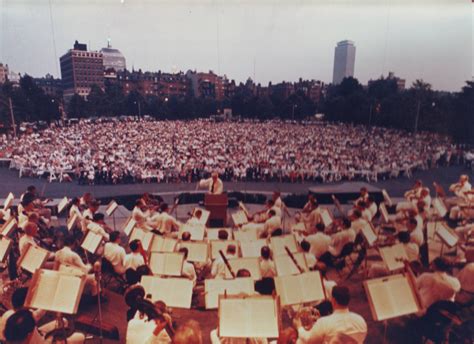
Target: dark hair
{"x": 75, "y": 201}
{"x": 19, "y": 297}
{"x": 185, "y": 252}
{"x": 134, "y": 245}
{"x": 164, "y": 207}
{"x": 198, "y": 212}
{"x": 31, "y": 188}
{"x": 412, "y": 221}
{"x": 69, "y": 240}
{"x": 19, "y": 326}
{"x": 272, "y": 212}
{"x": 265, "y": 252}
{"x": 346, "y": 223}
{"x": 440, "y": 264}
{"x": 243, "y": 273}
{"x": 341, "y": 295}
{"x": 98, "y": 217}
{"x": 114, "y": 236}
{"x": 305, "y": 246}
{"x": 320, "y": 227}
{"x": 357, "y": 213}
{"x": 403, "y": 237}
{"x": 231, "y": 249}
{"x": 277, "y": 232}
{"x": 186, "y": 236}
{"x": 222, "y": 234}
{"x": 28, "y": 198}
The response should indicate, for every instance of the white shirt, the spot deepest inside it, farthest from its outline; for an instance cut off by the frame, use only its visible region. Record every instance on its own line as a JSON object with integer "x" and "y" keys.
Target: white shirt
{"x": 189, "y": 271}
{"x": 319, "y": 243}
{"x": 436, "y": 286}
{"x": 267, "y": 268}
{"x": 133, "y": 261}
{"x": 340, "y": 239}
{"x": 167, "y": 223}
{"x": 69, "y": 257}
{"x": 271, "y": 224}
{"x": 24, "y": 241}
{"x": 341, "y": 321}
{"x": 466, "y": 278}
{"x": 115, "y": 254}
{"x": 209, "y": 184}
{"x": 97, "y": 229}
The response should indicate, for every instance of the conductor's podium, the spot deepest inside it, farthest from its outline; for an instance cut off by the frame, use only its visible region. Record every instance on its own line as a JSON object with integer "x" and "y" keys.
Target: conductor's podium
{"x": 217, "y": 206}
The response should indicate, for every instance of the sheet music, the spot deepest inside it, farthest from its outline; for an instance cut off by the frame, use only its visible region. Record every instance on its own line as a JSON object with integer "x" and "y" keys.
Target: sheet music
{"x": 8, "y": 227}
{"x": 326, "y": 217}
{"x": 449, "y": 237}
{"x": 72, "y": 222}
{"x": 129, "y": 226}
{"x": 217, "y": 245}
{"x": 166, "y": 263}
{"x": 252, "y": 248}
{"x": 298, "y": 227}
{"x": 239, "y": 218}
{"x": 4, "y": 246}
{"x": 62, "y": 204}
{"x": 197, "y": 251}
{"x": 278, "y": 243}
{"x": 250, "y": 264}
{"x": 391, "y": 297}
{"x": 8, "y": 201}
{"x": 297, "y": 289}
{"x": 439, "y": 206}
{"x": 387, "y": 198}
{"x": 197, "y": 231}
{"x": 244, "y": 209}
{"x": 285, "y": 266}
{"x": 91, "y": 242}
{"x": 143, "y": 235}
{"x": 55, "y": 291}
{"x": 213, "y": 233}
{"x": 175, "y": 292}
{"x": 163, "y": 244}
{"x": 215, "y": 287}
{"x": 393, "y": 256}
{"x": 253, "y": 317}
{"x": 247, "y": 235}
{"x": 33, "y": 258}
{"x": 204, "y": 215}
{"x": 384, "y": 212}
{"x": 111, "y": 208}
{"x": 369, "y": 234}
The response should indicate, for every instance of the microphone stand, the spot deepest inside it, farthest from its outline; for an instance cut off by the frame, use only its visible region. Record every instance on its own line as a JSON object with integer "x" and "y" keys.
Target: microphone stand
{"x": 98, "y": 276}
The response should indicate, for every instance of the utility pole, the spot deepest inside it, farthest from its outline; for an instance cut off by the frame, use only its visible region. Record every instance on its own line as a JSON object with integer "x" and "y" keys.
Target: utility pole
{"x": 12, "y": 116}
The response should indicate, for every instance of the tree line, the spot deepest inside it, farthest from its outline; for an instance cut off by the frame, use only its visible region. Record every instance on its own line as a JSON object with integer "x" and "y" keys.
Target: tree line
{"x": 381, "y": 103}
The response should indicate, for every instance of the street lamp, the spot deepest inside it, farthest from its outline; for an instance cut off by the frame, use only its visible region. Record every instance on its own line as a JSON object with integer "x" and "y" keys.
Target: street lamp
{"x": 139, "y": 108}
{"x": 293, "y": 111}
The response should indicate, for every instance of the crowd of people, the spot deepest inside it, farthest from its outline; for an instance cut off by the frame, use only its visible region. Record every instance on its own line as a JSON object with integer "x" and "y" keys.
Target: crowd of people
{"x": 323, "y": 239}
{"x": 184, "y": 151}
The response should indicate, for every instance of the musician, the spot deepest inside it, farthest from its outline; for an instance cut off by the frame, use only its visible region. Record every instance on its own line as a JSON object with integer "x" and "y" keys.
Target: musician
{"x": 136, "y": 258}
{"x": 309, "y": 257}
{"x": 267, "y": 265}
{"x": 39, "y": 205}
{"x": 279, "y": 204}
{"x": 166, "y": 223}
{"x": 67, "y": 256}
{"x": 319, "y": 242}
{"x": 85, "y": 200}
{"x": 28, "y": 238}
{"x": 88, "y": 214}
{"x": 313, "y": 218}
{"x": 412, "y": 196}
{"x": 462, "y": 187}
{"x": 213, "y": 184}
{"x": 148, "y": 325}
{"x": 271, "y": 224}
{"x": 341, "y": 321}
{"x": 437, "y": 285}
{"x": 75, "y": 209}
{"x": 188, "y": 268}
{"x": 466, "y": 278}
{"x": 338, "y": 241}
{"x": 115, "y": 253}
{"x": 98, "y": 226}
{"x": 357, "y": 221}
{"x": 188, "y": 333}
{"x": 364, "y": 195}
{"x": 141, "y": 215}
{"x": 218, "y": 266}
{"x": 416, "y": 231}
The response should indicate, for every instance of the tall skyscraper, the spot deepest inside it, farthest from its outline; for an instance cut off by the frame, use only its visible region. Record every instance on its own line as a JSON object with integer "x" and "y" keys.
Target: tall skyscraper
{"x": 344, "y": 60}
{"x": 80, "y": 69}
{"x": 113, "y": 58}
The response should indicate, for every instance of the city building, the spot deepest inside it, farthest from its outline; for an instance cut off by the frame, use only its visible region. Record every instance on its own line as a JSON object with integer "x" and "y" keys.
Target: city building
{"x": 400, "y": 82}
{"x": 3, "y": 73}
{"x": 172, "y": 85}
{"x": 344, "y": 60}
{"x": 206, "y": 85}
{"x": 113, "y": 58}
{"x": 80, "y": 69}
{"x": 310, "y": 88}
{"x": 49, "y": 85}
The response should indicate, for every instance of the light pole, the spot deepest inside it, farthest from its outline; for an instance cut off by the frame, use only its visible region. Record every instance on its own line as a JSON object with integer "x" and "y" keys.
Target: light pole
{"x": 139, "y": 108}
{"x": 293, "y": 112}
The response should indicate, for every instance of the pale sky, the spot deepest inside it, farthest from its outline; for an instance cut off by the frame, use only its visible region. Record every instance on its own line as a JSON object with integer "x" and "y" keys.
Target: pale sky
{"x": 267, "y": 40}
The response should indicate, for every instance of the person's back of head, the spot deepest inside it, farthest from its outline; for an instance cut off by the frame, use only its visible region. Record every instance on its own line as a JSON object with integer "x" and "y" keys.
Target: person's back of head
{"x": 404, "y": 237}
{"x": 277, "y": 232}
{"x": 320, "y": 227}
{"x": 271, "y": 213}
{"x": 243, "y": 273}
{"x": 31, "y": 229}
{"x": 186, "y": 236}
{"x": 188, "y": 333}
{"x": 222, "y": 234}
{"x": 164, "y": 207}
{"x": 134, "y": 245}
{"x": 341, "y": 296}
{"x": 19, "y": 326}
{"x": 98, "y": 217}
{"x": 231, "y": 249}
{"x": 69, "y": 241}
{"x": 265, "y": 252}
{"x": 114, "y": 236}
{"x": 346, "y": 223}
{"x": 305, "y": 246}
{"x": 19, "y": 297}
{"x": 440, "y": 264}
{"x": 198, "y": 213}
{"x": 31, "y": 189}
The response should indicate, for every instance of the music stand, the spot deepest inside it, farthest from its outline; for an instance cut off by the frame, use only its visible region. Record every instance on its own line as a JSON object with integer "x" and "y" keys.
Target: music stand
{"x": 110, "y": 211}
{"x": 307, "y": 287}
{"x": 8, "y": 227}
{"x": 215, "y": 287}
{"x": 33, "y": 258}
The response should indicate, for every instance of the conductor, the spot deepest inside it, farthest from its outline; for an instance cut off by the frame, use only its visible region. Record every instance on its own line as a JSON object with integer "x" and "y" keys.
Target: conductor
{"x": 213, "y": 184}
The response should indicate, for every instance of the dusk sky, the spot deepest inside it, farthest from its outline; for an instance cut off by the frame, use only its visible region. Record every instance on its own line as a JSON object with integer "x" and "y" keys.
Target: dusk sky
{"x": 264, "y": 40}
